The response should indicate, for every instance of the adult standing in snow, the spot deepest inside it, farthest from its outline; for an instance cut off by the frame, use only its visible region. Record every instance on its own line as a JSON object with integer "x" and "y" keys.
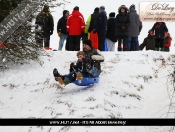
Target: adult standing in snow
{"x": 75, "y": 29}
{"x": 44, "y": 26}
{"x": 134, "y": 29}
{"x": 110, "y": 35}
{"x": 90, "y": 23}
{"x": 61, "y": 29}
{"x": 159, "y": 28}
{"x": 100, "y": 28}
{"x": 122, "y": 24}
{"x": 95, "y": 54}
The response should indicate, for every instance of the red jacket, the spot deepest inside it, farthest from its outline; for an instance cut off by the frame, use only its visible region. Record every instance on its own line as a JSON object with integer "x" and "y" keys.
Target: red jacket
{"x": 168, "y": 44}
{"x": 75, "y": 23}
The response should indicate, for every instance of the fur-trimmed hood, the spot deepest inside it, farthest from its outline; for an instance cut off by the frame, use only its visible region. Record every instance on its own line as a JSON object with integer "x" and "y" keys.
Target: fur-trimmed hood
{"x": 123, "y": 6}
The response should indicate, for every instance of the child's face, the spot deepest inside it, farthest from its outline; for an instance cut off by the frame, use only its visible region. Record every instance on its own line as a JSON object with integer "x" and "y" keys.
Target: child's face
{"x": 151, "y": 33}
{"x": 80, "y": 58}
{"x": 166, "y": 34}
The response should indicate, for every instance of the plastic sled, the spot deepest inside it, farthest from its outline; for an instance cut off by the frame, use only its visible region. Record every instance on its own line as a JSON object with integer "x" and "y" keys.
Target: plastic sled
{"x": 94, "y": 38}
{"x": 87, "y": 81}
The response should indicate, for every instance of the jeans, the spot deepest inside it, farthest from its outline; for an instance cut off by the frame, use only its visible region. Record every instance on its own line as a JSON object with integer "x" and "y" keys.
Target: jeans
{"x": 135, "y": 43}
{"x": 61, "y": 42}
{"x": 94, "y": 72}
{"x": 71, "y": 77}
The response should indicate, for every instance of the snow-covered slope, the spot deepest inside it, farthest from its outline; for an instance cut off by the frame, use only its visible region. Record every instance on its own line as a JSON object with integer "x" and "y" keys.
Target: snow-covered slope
{"x": 132, "y": 85}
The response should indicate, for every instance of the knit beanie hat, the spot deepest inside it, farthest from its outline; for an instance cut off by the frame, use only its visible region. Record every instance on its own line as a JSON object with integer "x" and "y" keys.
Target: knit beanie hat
{"x": 88, "y": 42}
{"x": 132, "y": 7}
{"x": 112, "y": 14}
{"x": 76, "y": 8}
{"x": 96, "y": 9}
{"x": 102, "y": 8}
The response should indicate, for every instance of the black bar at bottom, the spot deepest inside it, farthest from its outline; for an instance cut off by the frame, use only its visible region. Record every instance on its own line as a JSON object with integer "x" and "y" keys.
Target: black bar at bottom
{"x": 87, "y": 122}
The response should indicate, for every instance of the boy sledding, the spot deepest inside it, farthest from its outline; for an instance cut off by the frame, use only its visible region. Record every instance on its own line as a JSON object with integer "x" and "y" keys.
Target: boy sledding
{"x": 87, "y": 67}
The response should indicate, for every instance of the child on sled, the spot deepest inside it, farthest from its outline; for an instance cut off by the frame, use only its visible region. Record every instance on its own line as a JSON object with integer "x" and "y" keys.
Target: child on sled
{"x": 83, "y": 68}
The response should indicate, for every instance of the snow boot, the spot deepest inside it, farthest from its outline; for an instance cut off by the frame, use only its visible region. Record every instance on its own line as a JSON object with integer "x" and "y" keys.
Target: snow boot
{"x": 55, "y": 73}
{"x": 79, "y": 77}
{"x": 119, "y": 48}
{"x": 60, "y": 80}
{"x": 58, "y": 77}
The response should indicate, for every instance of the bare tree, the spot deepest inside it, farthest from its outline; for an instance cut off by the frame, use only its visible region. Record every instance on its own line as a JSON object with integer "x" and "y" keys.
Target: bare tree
{"x": 20, "y": 46}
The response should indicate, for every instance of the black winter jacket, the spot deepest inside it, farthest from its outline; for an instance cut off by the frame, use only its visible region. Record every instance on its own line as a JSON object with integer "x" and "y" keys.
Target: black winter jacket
{"x": 45, "y": 20}
{"x": 111, "y": 30}
{"x": 149, "y": 42}
{"x": 122, "y": 19}
{"x": 101, "y": 23}
{"x": 159, "y": 28}
{"x": 92, "y": 52}
{"x": 94, "y": 17}
{"x": 61, "y": 25}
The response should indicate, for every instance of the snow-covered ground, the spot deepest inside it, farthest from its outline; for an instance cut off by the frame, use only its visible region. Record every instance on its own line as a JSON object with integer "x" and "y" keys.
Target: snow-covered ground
{"x": 132, "y": 85}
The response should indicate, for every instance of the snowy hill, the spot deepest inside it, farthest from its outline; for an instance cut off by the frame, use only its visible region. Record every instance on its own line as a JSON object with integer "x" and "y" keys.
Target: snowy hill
{"x": 132, "y": 85}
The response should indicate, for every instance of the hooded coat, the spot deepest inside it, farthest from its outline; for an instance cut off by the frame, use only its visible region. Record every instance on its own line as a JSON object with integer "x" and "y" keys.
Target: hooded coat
{"x": 101, "y": 23}
{"x": 111, "y": 28}
{"x": 75, "y": 23}
{"x": 45, "y": 20}
{"x": 90, "y": 23}
{"x": 96, "y": 56}
{"x": 122, "y": 19}
{"x": 149, "y": 42}
{"x": 159, "y": 28}
{"x": 61, "y": 25}
{"x": 136, "y": 25}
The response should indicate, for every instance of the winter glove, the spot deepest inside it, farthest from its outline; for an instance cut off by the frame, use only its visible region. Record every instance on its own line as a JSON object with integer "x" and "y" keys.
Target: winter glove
{"x": 59, "y": 34}
{"x": 72, "y": 67}
{"x": 94, "y": 31}
{"x": 123, "y": 27}
{"x": 72, "y": 64}
{"x": 51, "y": 32}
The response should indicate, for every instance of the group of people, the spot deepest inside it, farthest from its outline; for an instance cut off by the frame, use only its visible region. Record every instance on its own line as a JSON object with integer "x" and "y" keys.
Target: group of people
{"x": 124, "y": 28}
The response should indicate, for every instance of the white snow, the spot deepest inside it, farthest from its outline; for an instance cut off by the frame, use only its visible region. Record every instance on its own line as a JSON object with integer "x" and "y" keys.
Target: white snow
{"x": 132, "y": 85}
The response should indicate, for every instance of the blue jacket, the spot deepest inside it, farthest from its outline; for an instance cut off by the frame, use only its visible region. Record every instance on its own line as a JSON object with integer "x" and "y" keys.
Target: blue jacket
{"x": 101, "y": 23}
